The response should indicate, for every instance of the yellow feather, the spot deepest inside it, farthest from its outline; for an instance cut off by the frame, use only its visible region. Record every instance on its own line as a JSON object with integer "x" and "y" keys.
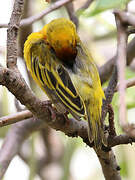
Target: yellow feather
{"x": 64, "y": 69}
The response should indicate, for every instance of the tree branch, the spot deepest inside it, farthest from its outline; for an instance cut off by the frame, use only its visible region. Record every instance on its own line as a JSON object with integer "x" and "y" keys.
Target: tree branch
{"x": 125, "y": 18}
{"x": 129, "y": 83}
{"x": 109, "y": 165}
{"x": 14, "y": 139}
{"x": 12, "y": 33}
{"x": 109, "y": 92}
{"x": 121, "y": 63}
{"x": 11, "y": 119}
{"x": 106, "y": 69}
{"x": 34, "y": 18}
{"x": 4, "y": 25}
{"x": 17, "y": 86}
{"x": 25, "y": 114}
{"x": 54, "y": 6}
{"x": 86, "y": 5}
{"x": 71, "y": 13}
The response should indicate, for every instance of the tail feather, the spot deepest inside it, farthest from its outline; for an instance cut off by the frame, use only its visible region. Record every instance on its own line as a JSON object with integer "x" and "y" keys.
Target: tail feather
{"x": 95, "y": 130}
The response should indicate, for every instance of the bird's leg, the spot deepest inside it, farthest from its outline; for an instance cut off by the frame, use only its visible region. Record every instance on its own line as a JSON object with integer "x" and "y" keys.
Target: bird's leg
{"x": 112, "y": 131}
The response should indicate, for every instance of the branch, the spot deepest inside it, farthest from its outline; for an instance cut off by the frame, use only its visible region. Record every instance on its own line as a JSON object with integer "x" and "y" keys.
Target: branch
{"x": 108, "y": 160}
{"x": 121, "y": 63}
{"x": 86, "y": 5}
{"x": 129, "y": 83}
{"x": 71, "y": 13}
{"x": 104, "y": 157}
{"x": 20, "y": 131}
{"x": 14, "y": 139}
{"x": 11, "y": 119}
{"x": 125, "y": 18}
{"x": 121, "y": 139}
{"x": 109, "y": 92}
{"x": 17, "y": 86}
{"x": 106, "y": 69}
{"x": 32, "y": 19}
{"x": 109, "y": 165}
{"x": 54, "y": 6}
{"x": 4, "y": 25}
{"x": 25, "y": 114}
{"x": 12, "y": 33}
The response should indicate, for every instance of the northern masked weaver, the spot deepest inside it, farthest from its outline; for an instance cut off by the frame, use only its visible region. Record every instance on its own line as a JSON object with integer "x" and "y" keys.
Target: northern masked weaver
{"x": 65, "y": 71}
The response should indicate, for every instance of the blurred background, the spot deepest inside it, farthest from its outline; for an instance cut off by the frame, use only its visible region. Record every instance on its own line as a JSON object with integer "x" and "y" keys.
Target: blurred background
{"x": 52, "y": 155}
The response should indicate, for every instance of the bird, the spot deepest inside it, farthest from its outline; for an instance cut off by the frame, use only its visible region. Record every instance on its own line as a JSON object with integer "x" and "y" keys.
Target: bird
{"x": 64, "y": 69}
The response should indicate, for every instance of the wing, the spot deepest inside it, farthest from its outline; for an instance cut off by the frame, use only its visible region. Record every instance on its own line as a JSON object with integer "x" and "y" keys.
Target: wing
{"x": 56, "y": 78}
{"x": 61, "y": 82}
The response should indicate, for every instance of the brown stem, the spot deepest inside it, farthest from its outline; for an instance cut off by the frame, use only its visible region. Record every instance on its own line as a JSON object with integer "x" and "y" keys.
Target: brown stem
{"x": 12, "y": 33}
{"x": 71, "y": 13}
{"x": 11, "y": 119}
{"x": 121, "y": 63}
{"x": 109, "y": 165}
{"x": 112, "y": 132}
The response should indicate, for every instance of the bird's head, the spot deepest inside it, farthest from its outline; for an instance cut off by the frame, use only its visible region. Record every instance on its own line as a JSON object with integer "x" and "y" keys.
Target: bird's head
{"x": 61, "y": 35}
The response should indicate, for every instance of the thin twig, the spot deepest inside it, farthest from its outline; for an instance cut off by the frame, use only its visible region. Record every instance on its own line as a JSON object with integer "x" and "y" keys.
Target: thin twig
{"x": 54, "y": 6}
{"x": 106, "y": 69}
{"x": 121, "y": 139}
{"x": 109, "y": 92}
{"x": 34, "y": 18}
{"x": 11, "y": 119}
{"x": 71, "y": 13}
{"x": 121, "y": 63}
{"x": 129, "y": 83}
{"x": 131, "y": 30}
{"x": 86, "y": 5}
{"x": 126, "y": 19}
{"x": 14, "y": 139}
{"x": 4, "y": 25}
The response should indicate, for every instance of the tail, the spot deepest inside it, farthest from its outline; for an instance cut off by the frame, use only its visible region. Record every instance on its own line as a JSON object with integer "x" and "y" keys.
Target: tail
{"x": 95, "y": 129}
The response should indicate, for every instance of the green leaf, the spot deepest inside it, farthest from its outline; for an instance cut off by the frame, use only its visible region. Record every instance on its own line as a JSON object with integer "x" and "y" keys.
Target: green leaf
{"x": 110, "y": 4}
{"x": 102, "y": 5}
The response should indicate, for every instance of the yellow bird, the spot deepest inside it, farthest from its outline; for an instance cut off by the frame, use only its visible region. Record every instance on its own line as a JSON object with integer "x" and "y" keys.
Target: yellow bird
{"x": 65, "y": 71}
